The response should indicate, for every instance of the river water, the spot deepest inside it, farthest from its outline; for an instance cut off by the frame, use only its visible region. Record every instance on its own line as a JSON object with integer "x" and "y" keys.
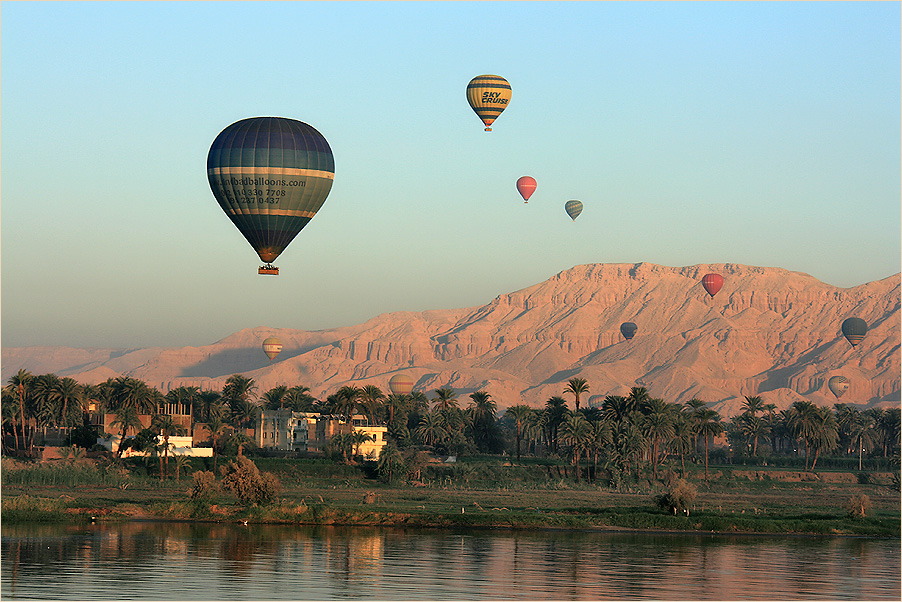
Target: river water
{"x": 185, "y": 561}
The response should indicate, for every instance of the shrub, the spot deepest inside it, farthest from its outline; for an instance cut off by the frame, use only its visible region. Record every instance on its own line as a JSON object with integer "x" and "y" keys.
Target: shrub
{"x": 204, "y": 486}
{"x": 242, "y": 478}
{"x": 678, "y": 497}
{"x": 858, "y": 506}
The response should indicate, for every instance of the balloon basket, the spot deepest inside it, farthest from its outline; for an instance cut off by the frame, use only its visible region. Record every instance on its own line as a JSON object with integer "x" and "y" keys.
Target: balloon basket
{"x": 488, "y": 129}
{"x": 268, "y": 269}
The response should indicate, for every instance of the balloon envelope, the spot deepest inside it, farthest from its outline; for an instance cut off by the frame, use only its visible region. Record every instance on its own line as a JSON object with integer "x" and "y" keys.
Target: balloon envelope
{"x": 854, "y": 330}
{"x": 526, "y": 186}
{"x": 270, "y": 176}
{"x": 838, "y": 385}
{"x": 400, "y": 384}
{"x": 272, "y": 347}
{"x": 488, "y": 95}
{"x": 712, "y": 283}
{"x": 628, "y": 330}
{"x": 573, "y": 209}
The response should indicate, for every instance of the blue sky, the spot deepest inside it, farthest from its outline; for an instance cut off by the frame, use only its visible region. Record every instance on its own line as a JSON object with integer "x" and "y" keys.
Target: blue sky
{"x": 755, "y": 133}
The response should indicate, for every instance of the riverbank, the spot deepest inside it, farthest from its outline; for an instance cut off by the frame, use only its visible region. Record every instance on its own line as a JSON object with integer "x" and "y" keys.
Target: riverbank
{"x": 732, "y": 501}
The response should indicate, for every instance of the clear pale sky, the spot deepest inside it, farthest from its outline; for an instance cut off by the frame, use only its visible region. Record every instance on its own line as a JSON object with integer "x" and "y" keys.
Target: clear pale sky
{"x": 760, "y": 133}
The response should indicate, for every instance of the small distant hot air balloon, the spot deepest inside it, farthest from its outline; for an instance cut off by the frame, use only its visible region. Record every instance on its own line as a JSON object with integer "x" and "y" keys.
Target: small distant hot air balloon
{"x": 488, "y": 95}
{"x": 272, "y": 347}
{"x": 400, "y": 384}
{"x": 628, "y": 330}
{"x": 854, "y": 330}
{"x": 526, "y": 186}
{"x": 270, "y": 176}
{"x": 838, "y": 385}
{"x": 712, "y": 283}
{"x": 573, "y": 209}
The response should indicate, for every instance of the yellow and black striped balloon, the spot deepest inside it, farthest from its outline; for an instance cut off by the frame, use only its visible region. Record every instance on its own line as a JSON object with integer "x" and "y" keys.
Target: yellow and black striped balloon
{"x": 488, "y": 95}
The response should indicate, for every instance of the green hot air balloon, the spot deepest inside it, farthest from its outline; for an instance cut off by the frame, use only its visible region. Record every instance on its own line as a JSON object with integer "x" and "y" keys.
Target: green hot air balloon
{"x": 573, "y": 209}
{"x": 270, "y": 175}
{"x": 854, "y": 330}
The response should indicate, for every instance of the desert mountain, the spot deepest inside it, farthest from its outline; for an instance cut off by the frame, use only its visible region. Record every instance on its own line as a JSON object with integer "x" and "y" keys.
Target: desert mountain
{"x": 768, "y": 332}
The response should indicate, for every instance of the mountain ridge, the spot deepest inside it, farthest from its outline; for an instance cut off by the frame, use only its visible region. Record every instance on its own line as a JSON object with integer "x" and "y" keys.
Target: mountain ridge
{"x": 769, "y": 331}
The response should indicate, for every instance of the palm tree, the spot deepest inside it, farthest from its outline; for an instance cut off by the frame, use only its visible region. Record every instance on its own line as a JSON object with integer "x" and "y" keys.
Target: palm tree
{"x": 826, "y": 434}
{"x": 344, "y": 401}
{"x": 520, "y": 414}
{"x": 358, "y": 438}
{"x": 127, "y": 419}
{"x": 482, "y": 412}
{"x": 658, "y": 427}
{"x": 207, "y": 404}
{"x": 445, "y": 399}
{"x": 168, "y": 427}
{"x": 238, "y": 393}
{"x": 683, "y": 435}
{"x": 861, "y": 431}
{"x": 390, "y": 461}
{"x": 274, "y": 399}
{"x": 695, "y": 406}
{"x": 601, "y": 438}
{"x": 804, "y": 421}
{"x": 299, "y": 399}
{"x": 20, "y": 382}
{"x": 557, "y": 411}
{"x": 577, "y": 386}
{"x": 68, "y": 394}
{"x": 708, "y": 424}
{"x": 181, "y": 462}
{"x": 126, "y": 392}
{"x": 578, "y": 434}
{"x": 430, "y": 430}
{"x": 752, "y": 405}
{"x": 771, "y": 409}
{"x": 615, "y": 408}
{"x": 217, "y": 428}
{"x": 372, "y": 398}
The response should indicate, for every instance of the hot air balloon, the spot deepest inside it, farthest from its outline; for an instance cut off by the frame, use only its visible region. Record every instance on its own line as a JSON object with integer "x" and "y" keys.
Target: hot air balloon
{"x": 400, "y": 384}
{"x": 854, "y": 330}
{"x": 712, "y": 283}
{"x": 628, "y": 330}
{"x": 270, "y": 175}
{"x": 526, "y": 186}
{"x": 488, "y": 95}
{"x": 573, "y": 209}
{"x": 838, "y": 385}
{"x": 272, "y": 347}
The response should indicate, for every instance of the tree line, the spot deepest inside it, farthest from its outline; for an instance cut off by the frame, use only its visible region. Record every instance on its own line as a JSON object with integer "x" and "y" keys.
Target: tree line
{"x": 624, "y": 435}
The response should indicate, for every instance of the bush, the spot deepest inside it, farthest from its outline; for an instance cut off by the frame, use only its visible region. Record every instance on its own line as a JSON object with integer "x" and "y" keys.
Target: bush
{"x": 858, "y": 506}
{"x": 242, "y": 478}
{"x": 204, "y": 486}
{"x": 679, "y": 497}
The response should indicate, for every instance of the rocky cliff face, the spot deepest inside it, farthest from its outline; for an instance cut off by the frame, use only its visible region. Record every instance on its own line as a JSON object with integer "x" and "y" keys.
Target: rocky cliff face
{"x": 768, "y": 332}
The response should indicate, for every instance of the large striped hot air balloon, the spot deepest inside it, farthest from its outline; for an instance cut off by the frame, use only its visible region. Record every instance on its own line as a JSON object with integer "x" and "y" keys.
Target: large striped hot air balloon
{"x": 628, "y": 330}
{"x": 526, "y": 185}
{"x": 854, "y": 330}
{"x": 488, "y": 95}
{"x": 270, "y": 175}
{"x": 712, "y": 283}
{"x": 272, "y": 346}
{"x": 838, "y": 385}
{"x": 400, "y": 384}
{"x": 573, "y": 209}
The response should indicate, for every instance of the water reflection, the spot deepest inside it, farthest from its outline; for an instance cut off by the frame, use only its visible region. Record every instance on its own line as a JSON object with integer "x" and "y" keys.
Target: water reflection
{"x": 190, "y": 561}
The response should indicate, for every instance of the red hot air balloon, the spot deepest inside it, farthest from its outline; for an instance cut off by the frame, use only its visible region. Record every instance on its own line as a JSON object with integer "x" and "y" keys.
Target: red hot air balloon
{"x": 400, "y": 384}
{"x": 526, "y": 186}
{"x": 712, "y": 283}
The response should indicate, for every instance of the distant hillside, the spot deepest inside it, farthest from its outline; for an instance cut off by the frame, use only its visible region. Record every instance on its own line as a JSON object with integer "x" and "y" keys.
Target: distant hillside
{"x": 768, "y": 332}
